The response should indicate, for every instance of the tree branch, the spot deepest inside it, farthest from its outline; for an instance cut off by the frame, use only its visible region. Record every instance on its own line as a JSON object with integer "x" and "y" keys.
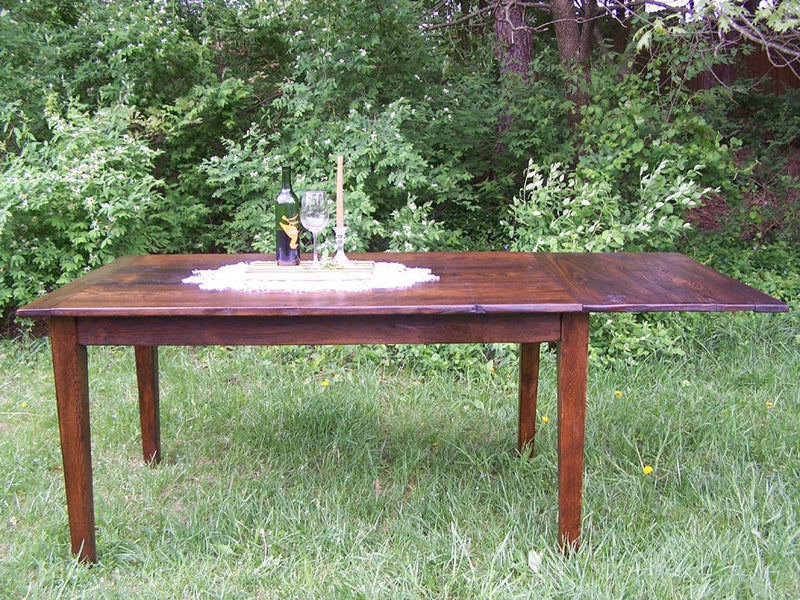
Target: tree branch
{"x": 750, "y": 32}
{"x": 463, "y": 19}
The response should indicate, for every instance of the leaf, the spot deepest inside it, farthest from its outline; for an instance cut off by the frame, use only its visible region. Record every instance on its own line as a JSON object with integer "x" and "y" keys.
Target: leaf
{"x": 534, "y": 561}
{"x": 644, "y": 40}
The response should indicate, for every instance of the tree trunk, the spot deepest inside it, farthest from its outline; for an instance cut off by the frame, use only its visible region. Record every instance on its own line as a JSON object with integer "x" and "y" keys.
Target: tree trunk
{"x": 513, "y": 40}
{"x": 514, "y": 52}
{"x": 573, "y": 39}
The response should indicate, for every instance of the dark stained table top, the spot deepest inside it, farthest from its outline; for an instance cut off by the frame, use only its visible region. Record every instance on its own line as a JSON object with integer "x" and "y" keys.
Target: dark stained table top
{"x": 469, "y": 282}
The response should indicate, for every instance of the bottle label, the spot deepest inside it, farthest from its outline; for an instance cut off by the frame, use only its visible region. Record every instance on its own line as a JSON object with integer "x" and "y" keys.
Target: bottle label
{"x": 289, "y": 226}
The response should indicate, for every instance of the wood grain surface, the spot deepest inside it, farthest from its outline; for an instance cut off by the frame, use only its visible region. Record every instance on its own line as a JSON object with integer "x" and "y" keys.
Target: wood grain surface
{"x": 470, "y": 282}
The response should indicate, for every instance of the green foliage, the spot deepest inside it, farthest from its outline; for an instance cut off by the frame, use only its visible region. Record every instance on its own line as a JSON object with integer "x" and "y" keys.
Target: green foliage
{"x": 139, "y": 53}
{"x": 759, "y": 234}
{"x": 244, "y": 180}
{"x": 629, "y": 124}
{"x": 219, "y": 94}
{"x": 422, "y": 133}
{"x": 453, "y": 360}
{"x": 766, "y": 20}
{"x": 342, "y": 98}
{"x": 559, "y": 211}
{"x": 764, "y": 207}
{"x": 14, "y": 130}
{"x": 28, "y": 56}
{"x": 537, "y": 116}
{"x": 764, "y": 123}
{"x": 76, "y": 201}
{"x": 385, "y": 173}
{"x": 414, "y": 231}
{"x": 645, "y": 158}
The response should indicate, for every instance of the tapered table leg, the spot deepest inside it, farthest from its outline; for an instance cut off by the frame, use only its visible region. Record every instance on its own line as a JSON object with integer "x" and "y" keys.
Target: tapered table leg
{"x": 572, "y": 370}
{"x": 72, "y": 398}
{"x": 147, "y": 379}
{"x": 528, "y": 390}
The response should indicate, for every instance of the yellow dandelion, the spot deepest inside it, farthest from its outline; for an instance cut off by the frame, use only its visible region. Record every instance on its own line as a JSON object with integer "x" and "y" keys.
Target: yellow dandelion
{"x": 24, "y": 405}
{"x": 325, "y": 383}
{"x": 617, "y": 394}
{"x": 770, "y": 403}
{"x": 545, "y": 419}
{"x": 647, "y": 469}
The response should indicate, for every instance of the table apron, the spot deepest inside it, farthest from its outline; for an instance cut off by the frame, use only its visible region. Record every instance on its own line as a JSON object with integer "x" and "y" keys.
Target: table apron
{"x": 339, "y": 329}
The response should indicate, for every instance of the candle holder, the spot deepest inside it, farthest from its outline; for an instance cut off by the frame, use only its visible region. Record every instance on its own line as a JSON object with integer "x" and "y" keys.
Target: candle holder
{"x": 340, "y": 258}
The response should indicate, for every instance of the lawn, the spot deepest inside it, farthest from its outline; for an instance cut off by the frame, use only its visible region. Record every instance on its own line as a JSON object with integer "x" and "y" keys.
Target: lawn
{"x": 336, "y": 473}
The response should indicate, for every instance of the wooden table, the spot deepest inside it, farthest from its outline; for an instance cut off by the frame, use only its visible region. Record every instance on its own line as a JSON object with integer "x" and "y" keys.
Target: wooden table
{"x": 480, "y": 297}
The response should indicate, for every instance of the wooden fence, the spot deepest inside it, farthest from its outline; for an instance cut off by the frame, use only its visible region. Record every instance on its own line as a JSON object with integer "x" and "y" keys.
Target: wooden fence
{"x": 757, "y": 66}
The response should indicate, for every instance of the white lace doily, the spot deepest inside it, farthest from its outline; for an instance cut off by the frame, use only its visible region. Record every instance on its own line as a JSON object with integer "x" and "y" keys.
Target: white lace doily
{"x": 265, "y": 277}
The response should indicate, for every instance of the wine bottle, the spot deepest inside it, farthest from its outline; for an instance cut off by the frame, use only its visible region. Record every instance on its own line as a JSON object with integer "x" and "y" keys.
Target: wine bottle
{"x": 287, "y": 222}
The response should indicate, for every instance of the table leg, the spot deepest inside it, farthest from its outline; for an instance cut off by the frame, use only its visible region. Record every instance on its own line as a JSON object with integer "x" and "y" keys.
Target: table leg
{"x": 528, "y": 390}
{"x": 147, "y": 379}
{"x": 572, "y": 370}
{"x": 72, "y": 397}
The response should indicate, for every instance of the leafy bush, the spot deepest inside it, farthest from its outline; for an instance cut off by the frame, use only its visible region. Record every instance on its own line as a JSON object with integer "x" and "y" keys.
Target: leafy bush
{"x": 630, "y": 124}
{"x": 77, "y": 201}
{"x": 28, "y": 55}
{"x": 559, "y": 211}
{"x": 138, "y": 52}
{"x": 384, "y": 176}
{"x": 763, "y": 208}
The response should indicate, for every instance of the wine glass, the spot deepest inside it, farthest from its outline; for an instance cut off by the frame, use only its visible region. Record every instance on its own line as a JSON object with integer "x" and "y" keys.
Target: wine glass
{"x": 314, "y": 216}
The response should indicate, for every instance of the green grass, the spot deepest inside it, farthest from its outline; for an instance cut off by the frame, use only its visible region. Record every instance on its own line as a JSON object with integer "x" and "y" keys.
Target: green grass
{"x": 394, "y": 482}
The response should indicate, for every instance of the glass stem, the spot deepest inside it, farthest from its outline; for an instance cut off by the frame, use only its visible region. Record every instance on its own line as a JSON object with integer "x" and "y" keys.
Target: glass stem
{"x": 315, "y": 260}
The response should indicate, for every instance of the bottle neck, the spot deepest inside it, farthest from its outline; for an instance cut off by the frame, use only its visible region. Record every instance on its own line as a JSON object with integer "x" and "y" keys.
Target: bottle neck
{"x": 286, "y": 176}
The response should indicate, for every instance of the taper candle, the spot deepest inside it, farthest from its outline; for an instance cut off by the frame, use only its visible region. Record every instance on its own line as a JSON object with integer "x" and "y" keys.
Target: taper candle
{"x": 340, "y": 191}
